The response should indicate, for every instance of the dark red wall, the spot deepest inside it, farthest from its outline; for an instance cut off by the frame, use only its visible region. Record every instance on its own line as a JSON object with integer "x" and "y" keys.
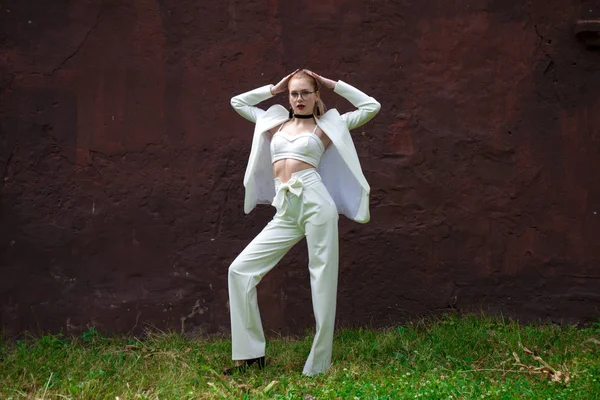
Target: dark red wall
{"x": 122, "y": 161}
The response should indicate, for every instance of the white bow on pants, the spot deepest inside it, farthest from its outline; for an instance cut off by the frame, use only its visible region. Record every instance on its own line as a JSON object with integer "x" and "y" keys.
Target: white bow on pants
{"x": 304, "y": 208}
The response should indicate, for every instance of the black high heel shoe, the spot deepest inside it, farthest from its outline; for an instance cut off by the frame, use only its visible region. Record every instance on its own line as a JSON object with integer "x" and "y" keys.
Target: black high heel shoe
{"x": 260, "y": 363}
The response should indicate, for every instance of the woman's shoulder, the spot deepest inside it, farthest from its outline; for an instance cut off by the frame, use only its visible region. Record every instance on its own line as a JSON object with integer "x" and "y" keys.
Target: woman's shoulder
{"x": 273, "y": 116}
{"x": 331, "y": 115}
{"x": 275, "y": 111}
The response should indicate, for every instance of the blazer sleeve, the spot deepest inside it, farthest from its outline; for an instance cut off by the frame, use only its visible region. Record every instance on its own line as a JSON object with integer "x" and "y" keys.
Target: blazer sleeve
{"x": 244, "y": 104}
{"x": 367, "y": 106}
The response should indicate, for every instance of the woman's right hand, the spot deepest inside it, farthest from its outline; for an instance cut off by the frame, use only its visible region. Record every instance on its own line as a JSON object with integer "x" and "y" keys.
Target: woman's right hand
{"x": 282, "y": 85}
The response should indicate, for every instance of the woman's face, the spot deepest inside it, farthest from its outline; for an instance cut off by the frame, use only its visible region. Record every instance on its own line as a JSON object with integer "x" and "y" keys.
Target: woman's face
{"x": 302, "y": 96}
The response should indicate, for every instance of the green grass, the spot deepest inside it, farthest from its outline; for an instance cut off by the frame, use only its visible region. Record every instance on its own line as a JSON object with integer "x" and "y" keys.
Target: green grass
{"x": 454, "y": 357}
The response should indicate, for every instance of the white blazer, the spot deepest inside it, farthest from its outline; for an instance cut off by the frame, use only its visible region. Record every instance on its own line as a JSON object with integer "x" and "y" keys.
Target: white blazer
{"x": 339, "y": 167}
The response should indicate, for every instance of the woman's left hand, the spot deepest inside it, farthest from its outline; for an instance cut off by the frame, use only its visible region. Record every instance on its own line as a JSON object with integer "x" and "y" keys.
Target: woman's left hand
{"x": 322, "y": 80}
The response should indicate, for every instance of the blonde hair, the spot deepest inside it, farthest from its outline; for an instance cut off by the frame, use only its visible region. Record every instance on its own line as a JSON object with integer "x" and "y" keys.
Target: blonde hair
{"x": 318, "y": 103}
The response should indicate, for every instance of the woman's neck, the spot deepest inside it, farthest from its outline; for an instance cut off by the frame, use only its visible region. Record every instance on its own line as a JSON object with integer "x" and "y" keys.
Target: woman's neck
{"x": 303, "y": 116}
{"x": 302, "y": 122}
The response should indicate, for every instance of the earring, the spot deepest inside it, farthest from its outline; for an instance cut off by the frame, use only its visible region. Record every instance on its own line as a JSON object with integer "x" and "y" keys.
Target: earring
{"x": 291, "y": 112}
{"x": 318, "y": 112}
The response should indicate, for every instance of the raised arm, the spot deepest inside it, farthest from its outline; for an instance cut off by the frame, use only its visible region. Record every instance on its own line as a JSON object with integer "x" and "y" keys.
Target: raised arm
{"x": 245, "y": 103}
{"x": 367, "y": 106}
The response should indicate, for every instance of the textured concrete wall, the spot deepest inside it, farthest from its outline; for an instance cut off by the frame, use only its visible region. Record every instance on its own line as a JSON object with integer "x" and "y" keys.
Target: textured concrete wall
{"x": 122, "y": 161}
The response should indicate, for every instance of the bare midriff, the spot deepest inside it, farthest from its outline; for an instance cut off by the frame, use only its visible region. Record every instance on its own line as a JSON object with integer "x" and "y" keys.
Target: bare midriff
{"x": 283, "y": 169}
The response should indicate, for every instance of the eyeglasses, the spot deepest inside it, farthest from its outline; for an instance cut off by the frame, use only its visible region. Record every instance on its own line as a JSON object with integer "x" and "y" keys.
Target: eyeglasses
{"x": 303, "y": 95}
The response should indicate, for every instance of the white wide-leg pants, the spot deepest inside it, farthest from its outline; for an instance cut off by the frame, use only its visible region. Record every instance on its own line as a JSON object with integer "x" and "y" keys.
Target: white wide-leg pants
{"x": 304, "y": 208}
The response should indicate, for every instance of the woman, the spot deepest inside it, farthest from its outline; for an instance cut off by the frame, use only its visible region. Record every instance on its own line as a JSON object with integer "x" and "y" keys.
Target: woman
{"x": 317, "y": 175}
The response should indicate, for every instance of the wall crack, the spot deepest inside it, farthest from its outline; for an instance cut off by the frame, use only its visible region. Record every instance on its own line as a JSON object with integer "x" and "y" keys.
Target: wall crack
{"x": 80, "y": 44}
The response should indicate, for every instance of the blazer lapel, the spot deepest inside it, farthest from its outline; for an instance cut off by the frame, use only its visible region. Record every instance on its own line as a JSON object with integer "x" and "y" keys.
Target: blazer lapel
{"x": 334, "y": 126}
{"x": 274, "y": 116}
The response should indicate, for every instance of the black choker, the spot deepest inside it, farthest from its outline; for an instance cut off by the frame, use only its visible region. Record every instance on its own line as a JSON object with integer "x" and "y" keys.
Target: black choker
{"x": 302, "y": 116}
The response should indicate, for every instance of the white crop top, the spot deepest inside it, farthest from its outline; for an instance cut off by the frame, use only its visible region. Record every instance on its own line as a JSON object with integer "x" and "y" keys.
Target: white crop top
{"x": 306, "y": 147}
